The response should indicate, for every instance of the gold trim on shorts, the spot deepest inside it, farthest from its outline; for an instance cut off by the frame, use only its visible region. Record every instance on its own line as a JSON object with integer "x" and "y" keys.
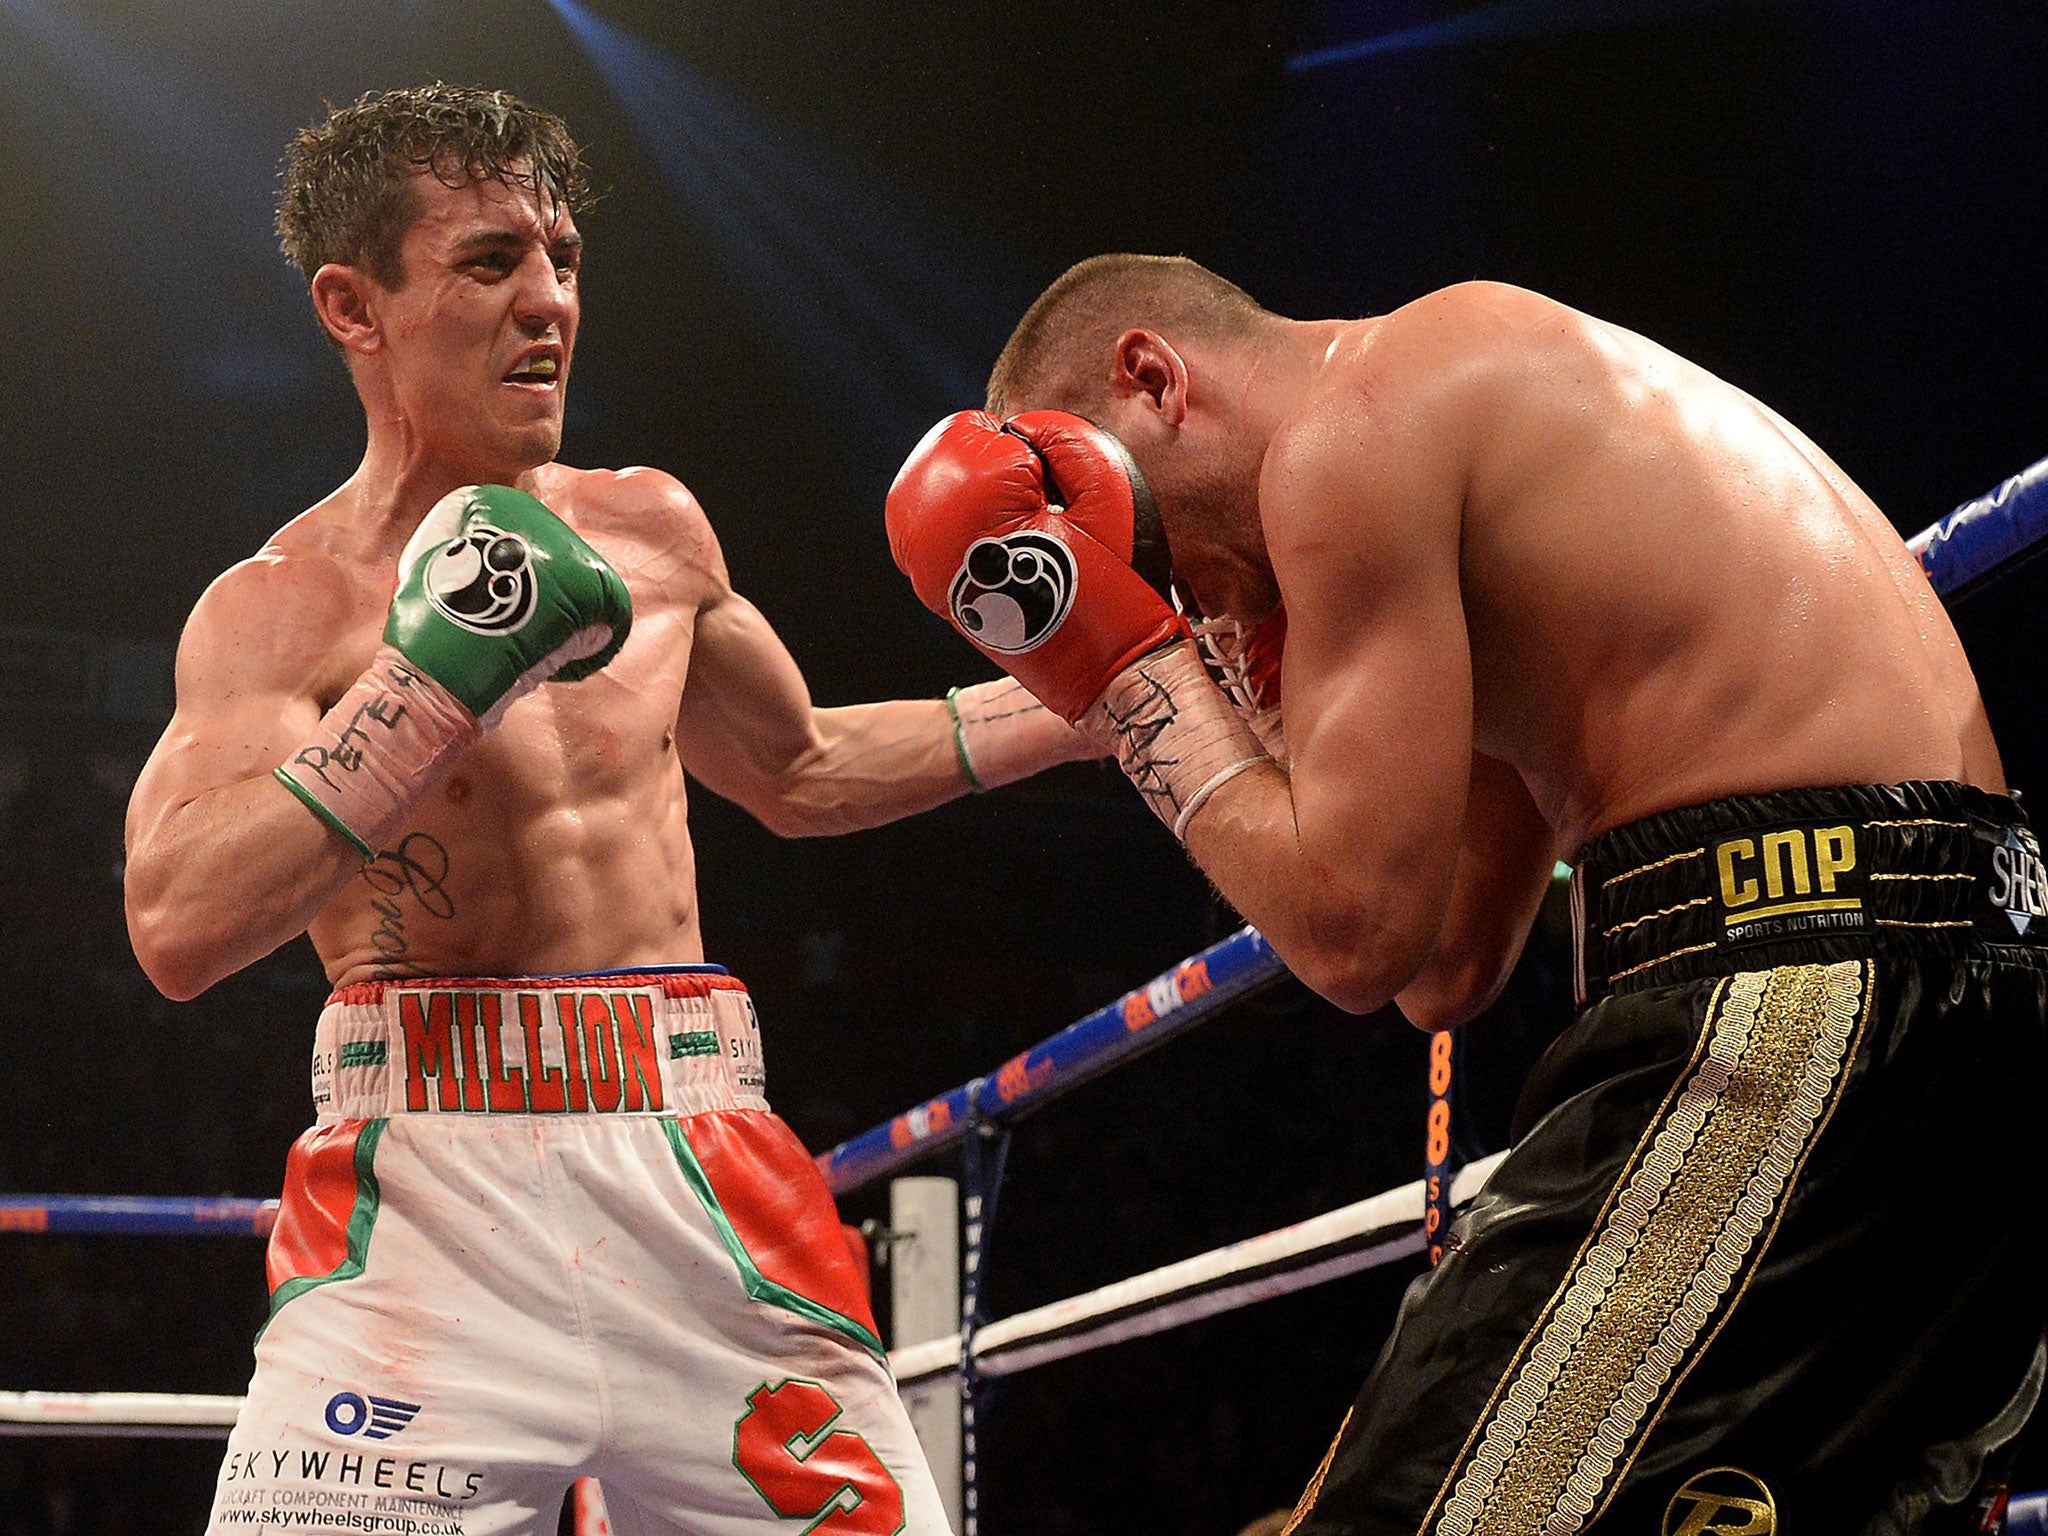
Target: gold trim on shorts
{"x": 1307, "y": 1501}
{"x": 1680, "y": 1236}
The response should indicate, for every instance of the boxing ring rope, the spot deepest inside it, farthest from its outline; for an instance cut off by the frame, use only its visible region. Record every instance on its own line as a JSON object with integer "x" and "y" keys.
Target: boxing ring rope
{"x": 137, "y": 1215}
{"x": 1374, "y": 1231}
{"x": 1986, "y": 538}
{"x": 1145, "y": 1017}
{"x": 130, "y": 1415}
{"x": 1979, "y": 542}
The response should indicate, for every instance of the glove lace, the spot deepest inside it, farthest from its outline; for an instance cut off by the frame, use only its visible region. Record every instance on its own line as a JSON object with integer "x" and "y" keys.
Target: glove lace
{"x": 1225, "y": 644}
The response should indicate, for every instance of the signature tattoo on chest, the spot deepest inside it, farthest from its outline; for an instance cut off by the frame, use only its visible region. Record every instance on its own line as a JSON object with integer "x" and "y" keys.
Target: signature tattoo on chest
{"x": 408, "y": 882}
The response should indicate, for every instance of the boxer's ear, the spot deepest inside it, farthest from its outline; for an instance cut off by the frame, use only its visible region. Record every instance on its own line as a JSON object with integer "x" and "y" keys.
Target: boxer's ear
{"x": 342, "y": 298}
{"x": 1147, "y": 369}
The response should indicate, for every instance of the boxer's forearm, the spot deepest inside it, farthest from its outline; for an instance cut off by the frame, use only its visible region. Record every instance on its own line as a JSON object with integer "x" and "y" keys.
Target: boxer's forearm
{"x": 220, "y": 882}
{"x": 1476, "y": 949}
{"x": 875, "y": 763}
{"x": 866, "y": 764}
{"x": 1503, "y": 870}
{"x": 1456, "y": 984}
{"x": 747, "y": 729}
{"x": 1355, "y": 951}
{"x": 1347, "y": 920}
{"x": 885, "y": 760}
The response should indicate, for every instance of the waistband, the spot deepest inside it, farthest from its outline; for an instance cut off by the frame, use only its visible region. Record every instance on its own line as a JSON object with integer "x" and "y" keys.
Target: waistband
{"x": 1695, "y": 891}
{"x": 656, "y": 1041}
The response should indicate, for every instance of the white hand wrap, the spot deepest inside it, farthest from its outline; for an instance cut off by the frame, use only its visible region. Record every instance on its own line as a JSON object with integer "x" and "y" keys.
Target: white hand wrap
{"x": 1003, "y": 734}
{"x": 1173, "y": 732}
{"x": 1226, "y": 646}
{"x": 390, "y": 739}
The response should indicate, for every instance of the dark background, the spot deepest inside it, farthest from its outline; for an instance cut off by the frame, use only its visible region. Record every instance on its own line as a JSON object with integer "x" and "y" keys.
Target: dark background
{"x": 822, "y": 220}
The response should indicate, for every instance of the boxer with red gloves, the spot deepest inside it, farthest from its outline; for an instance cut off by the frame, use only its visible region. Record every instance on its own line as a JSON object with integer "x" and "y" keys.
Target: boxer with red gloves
{"x": 1548, "y": 591}
{"x": 1027, "y": 534}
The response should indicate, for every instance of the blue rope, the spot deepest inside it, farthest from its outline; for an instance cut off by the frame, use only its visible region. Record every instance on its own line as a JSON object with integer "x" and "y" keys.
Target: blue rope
{"x": 136, "y": 1214}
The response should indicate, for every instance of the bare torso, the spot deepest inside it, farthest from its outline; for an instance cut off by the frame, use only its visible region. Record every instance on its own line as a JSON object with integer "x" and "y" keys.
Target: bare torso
{"x": 560, "y": 842}
{"x": 1670, "y": 593}
{"x": 1542, "y": 578}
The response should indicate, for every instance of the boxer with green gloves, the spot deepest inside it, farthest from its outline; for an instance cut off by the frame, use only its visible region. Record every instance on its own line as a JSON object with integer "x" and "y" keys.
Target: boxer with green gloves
{"x": 496, "y": 595}
{"x": 545, "y": 1222}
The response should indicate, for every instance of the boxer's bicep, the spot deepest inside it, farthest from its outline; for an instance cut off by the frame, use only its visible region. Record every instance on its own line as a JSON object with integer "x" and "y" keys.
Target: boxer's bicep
{"x": 245, "y": 696}
{"x": 223, "y": 863}
{"x": 1379, "y": 673}
{"x": 214, "y": 745}
{"x": 745, "y": 723}
{"x": 745, "y": 716}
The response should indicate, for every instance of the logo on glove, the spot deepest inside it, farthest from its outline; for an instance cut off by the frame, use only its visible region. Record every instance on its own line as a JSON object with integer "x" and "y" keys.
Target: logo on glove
{"x": 1011, "y": 593}
{"x": 483, "y": 581}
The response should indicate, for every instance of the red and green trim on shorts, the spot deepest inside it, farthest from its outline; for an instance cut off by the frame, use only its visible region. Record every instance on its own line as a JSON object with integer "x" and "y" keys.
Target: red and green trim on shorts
{"x": 329, "y": 1209}
{"x": 781, "y": 1233}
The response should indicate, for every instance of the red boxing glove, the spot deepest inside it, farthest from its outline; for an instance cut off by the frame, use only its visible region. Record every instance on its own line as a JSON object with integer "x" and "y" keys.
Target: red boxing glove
{"x": 1024, "y": 535}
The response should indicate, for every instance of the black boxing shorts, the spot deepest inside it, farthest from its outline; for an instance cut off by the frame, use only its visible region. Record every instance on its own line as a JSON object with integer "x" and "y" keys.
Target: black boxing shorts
{"x": 1764, "y": 1256}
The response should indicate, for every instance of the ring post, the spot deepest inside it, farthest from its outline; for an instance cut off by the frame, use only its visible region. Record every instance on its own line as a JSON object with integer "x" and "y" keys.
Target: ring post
{"x": 924, "y": 1303}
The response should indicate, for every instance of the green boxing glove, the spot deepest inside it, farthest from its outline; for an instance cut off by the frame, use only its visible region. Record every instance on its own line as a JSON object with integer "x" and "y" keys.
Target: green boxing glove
{"x": 495, "y": 596}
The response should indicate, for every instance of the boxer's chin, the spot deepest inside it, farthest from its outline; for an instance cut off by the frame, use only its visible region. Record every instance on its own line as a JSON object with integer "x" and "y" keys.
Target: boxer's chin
{"x": 532, "y": 444}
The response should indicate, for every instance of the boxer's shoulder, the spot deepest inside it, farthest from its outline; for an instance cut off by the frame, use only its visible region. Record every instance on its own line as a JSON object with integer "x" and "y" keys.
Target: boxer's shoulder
{"x": 321, "y": 572}
{"x": 1368, "y": 473}
{"x": 1460, "y": 344}
{"x": 320, "y": 588}
{"x": 1407, "y": 405}
{"x": 1480, "y": 306}
{"x": 635, "y": 493}
{"x": 1388, "y": 407}
{"x": 284, "y": 616}
{"x": 636, "y": 505}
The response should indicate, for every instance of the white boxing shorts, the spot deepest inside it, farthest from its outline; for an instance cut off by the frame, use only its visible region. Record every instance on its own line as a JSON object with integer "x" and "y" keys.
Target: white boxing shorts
{"x": 548, "y": 1228}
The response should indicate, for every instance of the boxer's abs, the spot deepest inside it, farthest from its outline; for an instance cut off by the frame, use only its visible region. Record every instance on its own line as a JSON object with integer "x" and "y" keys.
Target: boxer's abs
{"x": 526, "y": 870}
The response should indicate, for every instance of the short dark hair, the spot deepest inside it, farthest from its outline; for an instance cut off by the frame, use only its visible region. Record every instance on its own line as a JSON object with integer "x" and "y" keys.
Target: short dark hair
{"x": 1059, "y": 355}
{"x": 348, "y": 180}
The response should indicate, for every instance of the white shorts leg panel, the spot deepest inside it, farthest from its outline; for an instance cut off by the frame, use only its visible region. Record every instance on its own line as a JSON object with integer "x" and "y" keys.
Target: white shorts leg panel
{"x": 675, "y": 1455}
{"x": 437, "y": 1386}
{"x": 543, "y": 1297}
